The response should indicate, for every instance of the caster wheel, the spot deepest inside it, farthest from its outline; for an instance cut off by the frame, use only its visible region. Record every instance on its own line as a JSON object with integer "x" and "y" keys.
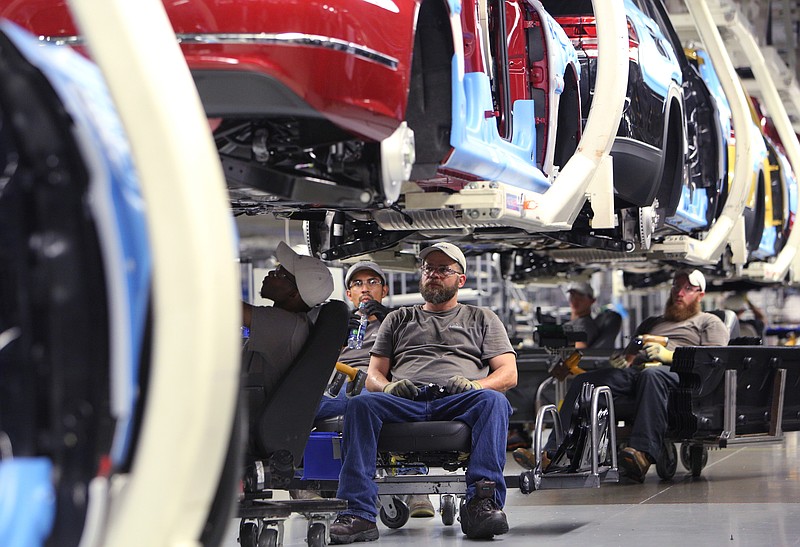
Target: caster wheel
{"x": 698, "y": 458}
{"x": 268, "y": 538}
{"x": 529, "y": 481}
{"x": 448, "y": 509}
{"x": 667, "y": 461}
{"x": 397, "y": 515}
{"x": 248, "y": 534}
{"x": 685, "y": 459}
{"x": 316, "y": 535}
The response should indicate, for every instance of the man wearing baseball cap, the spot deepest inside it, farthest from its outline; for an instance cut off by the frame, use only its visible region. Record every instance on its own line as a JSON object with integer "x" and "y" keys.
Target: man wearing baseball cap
{"x": 682, "y": 324}
{"x": 278, "y": 332}
{"x": 366, "y": 287}
{"x": 581, "y": 298}
{"x": 442, "y": 360}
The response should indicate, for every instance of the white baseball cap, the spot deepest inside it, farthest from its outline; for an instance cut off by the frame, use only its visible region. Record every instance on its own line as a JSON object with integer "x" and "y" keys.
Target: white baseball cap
{"x": 450, "y": 250}
{"x": 695, "y": 277}
{"x": 312, "y": 276}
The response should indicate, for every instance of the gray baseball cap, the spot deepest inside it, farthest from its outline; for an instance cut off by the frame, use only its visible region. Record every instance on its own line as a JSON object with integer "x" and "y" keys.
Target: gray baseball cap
{"x": 582, "y": 287}
{"x": 363, "y": 265}
{"x": 450, "y": 250}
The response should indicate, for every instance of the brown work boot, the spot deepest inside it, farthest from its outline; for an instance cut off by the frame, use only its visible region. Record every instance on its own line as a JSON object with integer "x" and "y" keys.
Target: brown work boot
{"x": 481, "y": 518}
{"x": 527, "y": 458}
{"x": 305, "y": 495}
{"x": 350, "y": 528}
{"x": 420, "y": 506}
{"x": 635, "y": 463}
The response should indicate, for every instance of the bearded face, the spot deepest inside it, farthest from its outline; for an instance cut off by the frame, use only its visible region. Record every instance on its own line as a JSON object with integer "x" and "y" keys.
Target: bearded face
{"x": 681, "y": 310}
{"x": 437, "y": 291}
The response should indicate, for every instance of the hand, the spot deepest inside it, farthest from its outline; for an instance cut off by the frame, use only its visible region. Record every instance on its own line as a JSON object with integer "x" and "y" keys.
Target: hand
{"x": 354, "y": 322}
{"x": 658, "y": 352}
{"x": 402, "y": 388}
{"x": 373, "y": 307}
{"x": 618, "y": 360}
{"x": 459, "y": 384}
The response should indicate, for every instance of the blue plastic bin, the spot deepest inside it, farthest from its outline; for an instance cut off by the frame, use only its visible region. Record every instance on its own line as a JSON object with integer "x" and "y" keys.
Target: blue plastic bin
{"x": 322, "y": 459}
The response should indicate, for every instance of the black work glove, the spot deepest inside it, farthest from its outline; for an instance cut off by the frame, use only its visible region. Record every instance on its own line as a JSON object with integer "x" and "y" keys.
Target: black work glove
{"x": 354, "y": 322}
{"x": 373, "y": 307}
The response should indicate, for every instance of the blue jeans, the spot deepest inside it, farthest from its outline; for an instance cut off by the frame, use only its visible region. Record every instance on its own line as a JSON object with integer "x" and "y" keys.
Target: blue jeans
{"x": 485, "y": 411}
{"x": 332, "y": 406}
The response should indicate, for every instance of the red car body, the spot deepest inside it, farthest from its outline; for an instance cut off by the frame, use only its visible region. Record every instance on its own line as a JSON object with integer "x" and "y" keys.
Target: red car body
{"x": 332, "y": 106}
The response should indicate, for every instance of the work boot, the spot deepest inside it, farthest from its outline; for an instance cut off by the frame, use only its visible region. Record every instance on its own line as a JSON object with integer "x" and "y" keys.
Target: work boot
{"x": 635, "y": 463}
{"x": 526, "y": 458}
{"x": 350, "y": 528}
{"x": 517, "y": 438}
{"x": 305, "y": 495}
{"x": 420, "y": 506}
{"x": 481, "y": 518}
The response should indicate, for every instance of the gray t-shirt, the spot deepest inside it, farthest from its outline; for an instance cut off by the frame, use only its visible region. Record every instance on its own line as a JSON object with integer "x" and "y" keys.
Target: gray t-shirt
{"x": 431, "y": 347}
{"x": 703, "y": 329}
{"x": 359, "y": 358}
{"x": 276, "y": 338}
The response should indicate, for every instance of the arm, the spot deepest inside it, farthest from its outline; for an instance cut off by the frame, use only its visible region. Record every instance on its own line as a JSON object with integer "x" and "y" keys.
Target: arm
{"x": 378, "y": 373}
{"x": 502, "y": 373}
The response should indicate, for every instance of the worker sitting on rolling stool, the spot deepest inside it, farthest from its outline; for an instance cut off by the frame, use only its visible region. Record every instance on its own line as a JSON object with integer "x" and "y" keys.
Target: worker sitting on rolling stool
{"x": 442, "y": 360}
{"x": 682, "y": 324}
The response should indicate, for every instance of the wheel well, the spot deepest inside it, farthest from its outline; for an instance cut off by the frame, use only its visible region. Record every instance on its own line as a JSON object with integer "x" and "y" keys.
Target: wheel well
{"x": 569, "y": 120}
{"x": 429, "y": 110}
{"x": 673, "y": 173}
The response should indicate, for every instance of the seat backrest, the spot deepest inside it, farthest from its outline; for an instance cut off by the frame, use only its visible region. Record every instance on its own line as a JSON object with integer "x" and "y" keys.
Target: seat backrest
{"x": 608, "y": 324}
{"x": 286, "y": 416}
{"x": 731, "y": 321}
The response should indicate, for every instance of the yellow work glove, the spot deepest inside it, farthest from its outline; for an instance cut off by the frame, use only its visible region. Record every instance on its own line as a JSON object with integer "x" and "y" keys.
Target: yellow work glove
{"x": 658, "y": 352}
{"x": 459, "y": 384}
{"x": 402, "y": 388}
{"x": 618, "y": 361}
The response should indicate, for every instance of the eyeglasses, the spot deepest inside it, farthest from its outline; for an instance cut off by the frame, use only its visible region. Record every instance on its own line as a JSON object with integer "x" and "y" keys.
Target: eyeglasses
{"x": 685, "y": 288}
{"x": 371, "y": 282}
{"x": 441, "y": 271}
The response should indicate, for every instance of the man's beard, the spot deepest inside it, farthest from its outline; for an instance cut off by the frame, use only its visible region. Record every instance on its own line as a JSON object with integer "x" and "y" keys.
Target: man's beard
{"x": 673, "y": 312}
{"x": 437, "y": 294}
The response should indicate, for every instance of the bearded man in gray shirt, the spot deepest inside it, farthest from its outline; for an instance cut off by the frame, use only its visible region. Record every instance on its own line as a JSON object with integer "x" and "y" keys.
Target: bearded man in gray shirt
{"x": 464, "y": 349}
{"x": 645, "y": 374}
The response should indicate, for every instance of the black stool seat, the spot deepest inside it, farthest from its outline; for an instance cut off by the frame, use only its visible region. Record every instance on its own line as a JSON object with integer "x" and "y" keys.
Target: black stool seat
{"x": 425, "y": 437}
{"x": 442, "y": 436}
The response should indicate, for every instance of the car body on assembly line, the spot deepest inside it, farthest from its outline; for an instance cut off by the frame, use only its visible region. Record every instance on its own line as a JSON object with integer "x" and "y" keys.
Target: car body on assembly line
{"x": 323, "y": 109}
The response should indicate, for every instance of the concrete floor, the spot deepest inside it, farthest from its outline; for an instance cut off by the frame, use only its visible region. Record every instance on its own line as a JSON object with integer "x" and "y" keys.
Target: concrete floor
{"x": 746, "y": 495}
